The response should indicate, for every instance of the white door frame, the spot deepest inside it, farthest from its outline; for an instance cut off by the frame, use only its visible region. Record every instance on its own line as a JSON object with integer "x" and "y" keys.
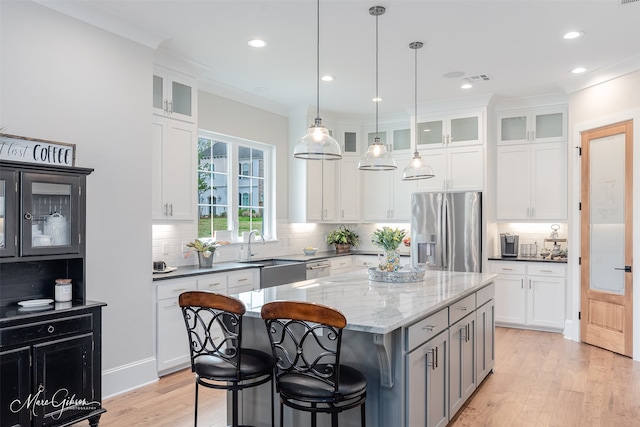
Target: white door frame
{"x": 572, "y": 324}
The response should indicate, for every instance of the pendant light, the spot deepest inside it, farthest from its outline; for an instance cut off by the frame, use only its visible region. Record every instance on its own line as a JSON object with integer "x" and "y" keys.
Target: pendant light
{"x": 417, "y": 168}
{"x": 377, "y": 158}
{"x": 317, "y": 144}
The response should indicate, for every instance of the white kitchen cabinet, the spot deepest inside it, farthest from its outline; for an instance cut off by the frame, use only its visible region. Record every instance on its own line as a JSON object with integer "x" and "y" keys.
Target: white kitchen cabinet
{"x": 531, "y": 182}
{"x": 451, "y": 130}
{"x": 172, "y": 345}
{"x": 386, "y": 197}
{"x": 544, "y": 124}
{"x": 174, "y": 95}
{"x": 455, "y": 169}
{"x": 530, "y": 294}
{"x": 343, "y": 264}
{"x": 350, "y": 140}
{"x": 173, "y": 160}
{"x": 349, "y": 190}
{"x": 321, "y": 190}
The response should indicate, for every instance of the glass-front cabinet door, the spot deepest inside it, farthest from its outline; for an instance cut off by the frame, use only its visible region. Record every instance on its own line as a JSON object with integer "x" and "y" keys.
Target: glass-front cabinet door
{"x": 545, "y": 124}
{"x": 8, "y": 211}
{"x": 50, "y": 214}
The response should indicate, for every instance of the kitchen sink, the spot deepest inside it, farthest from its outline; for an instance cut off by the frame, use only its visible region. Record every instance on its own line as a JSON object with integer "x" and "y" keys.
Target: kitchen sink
{"x": 274, "y": 272}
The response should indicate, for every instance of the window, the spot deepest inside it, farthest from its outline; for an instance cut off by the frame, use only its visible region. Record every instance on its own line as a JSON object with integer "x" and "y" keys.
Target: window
{"x": 235, "y": 198}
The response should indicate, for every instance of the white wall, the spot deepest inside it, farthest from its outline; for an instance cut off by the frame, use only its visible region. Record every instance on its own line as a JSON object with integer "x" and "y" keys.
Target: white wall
{"x": 610, "y": 102}
{"x": 222, "y": 115}
{"x": 66, "y": 81}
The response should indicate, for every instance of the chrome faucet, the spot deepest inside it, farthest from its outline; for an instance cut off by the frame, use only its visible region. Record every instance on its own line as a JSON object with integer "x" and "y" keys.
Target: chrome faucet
{"x": 249, "y": 253}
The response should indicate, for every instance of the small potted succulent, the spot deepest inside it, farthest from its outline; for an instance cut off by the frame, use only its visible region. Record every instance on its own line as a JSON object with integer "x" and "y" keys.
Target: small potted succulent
{"x": 388, "y": 239}
{"x": 205, "y": 251}
{"x": 343, "y": 238}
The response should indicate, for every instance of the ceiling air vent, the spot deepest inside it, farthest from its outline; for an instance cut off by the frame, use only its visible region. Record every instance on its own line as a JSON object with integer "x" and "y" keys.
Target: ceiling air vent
{"x": 623, "y": 2}
{"x": 479, "y": 77}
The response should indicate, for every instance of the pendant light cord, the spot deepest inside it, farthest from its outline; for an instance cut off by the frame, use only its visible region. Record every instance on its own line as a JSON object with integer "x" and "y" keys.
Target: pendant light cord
{"x": 377, "y": 97}
{"x": 415, "y": 116}
{"x": 318, "y": 60}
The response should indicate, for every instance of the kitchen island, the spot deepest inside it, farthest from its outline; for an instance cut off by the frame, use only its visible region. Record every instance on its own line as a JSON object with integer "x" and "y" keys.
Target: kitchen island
{"x": 424, "y": 346}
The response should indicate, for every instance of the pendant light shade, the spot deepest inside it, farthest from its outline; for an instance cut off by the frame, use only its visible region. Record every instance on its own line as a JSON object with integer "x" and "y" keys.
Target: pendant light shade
{"x": 417, "y": 168}
{"x": 317, "y": 144}
{"x": 377, "y": 158}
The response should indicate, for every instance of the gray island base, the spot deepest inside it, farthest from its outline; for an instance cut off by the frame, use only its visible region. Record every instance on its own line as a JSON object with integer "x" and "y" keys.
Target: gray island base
{"x": 424, "y": 347}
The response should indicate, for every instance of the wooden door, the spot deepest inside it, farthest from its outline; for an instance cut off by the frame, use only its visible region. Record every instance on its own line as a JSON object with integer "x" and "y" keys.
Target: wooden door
{"x": 606, "y": 238}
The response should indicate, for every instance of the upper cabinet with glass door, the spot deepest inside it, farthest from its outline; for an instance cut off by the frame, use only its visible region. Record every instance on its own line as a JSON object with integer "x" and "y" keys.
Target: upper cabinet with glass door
{"x": 396, "y": 138}
{"x": 174, "y": 95}
{"x": 451, "y": 130}
{"x": 8, "y": 213}
{"x": 546, "y": 124}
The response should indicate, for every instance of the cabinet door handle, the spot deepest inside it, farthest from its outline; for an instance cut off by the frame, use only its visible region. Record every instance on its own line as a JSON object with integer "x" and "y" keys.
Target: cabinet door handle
{"x": 468, "y": 330}
{"x": 435, "y": 360}
{"x": 546, "y": 271}
{"x": 243, "y": 280}
{"x": 521, "y": 283}
{"x": 533, "y": 135}
{"x": 463, "y": 308}
{"x": 533, "y": 215}
{"x": 170, "y": 107}
{"x": 28, "y": 216}
{"x": 213, "y": 285}
{"x": 529, "y": 283}
{"x": 507, "y": 269}
{"x": 166, "y": 106}
{"x": 170, "y": 209}
{"x": 429, "y": 327}
{"x": 178, "y": 290}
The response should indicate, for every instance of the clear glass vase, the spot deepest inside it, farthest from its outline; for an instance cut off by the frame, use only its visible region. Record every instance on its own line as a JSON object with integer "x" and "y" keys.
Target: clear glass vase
{"x": 389, "y": 260}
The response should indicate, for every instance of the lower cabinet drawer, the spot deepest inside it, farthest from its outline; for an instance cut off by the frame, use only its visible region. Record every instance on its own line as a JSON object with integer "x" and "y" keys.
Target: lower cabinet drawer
{"x": 214, "y": 283}
{"x": 175, "y": 288}
{"x": 24, "y": 334}
{"x": 241, "y": 279}
{"x": 461, "y": 308}
{"x": 427, "y": 328}
{"x": 485, "y": 294}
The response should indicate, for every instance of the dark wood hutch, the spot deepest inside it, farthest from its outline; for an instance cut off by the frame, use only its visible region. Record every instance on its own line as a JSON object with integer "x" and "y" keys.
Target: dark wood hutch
{"x": 50, "y": 352}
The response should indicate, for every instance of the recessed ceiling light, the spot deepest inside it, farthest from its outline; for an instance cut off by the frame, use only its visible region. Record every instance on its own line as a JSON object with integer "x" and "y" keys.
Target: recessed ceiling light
{"x": 378, "y": 99}
{"x": 578, "y": 70}
{"x": 257, "y": 43}
{"x": 327, "y": 78}
{"x": 573, "y": 35}
{"x": 466, "y": 86}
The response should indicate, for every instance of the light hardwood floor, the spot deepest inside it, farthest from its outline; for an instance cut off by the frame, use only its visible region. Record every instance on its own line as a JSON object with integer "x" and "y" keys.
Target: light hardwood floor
{"x": 540, "y": 379}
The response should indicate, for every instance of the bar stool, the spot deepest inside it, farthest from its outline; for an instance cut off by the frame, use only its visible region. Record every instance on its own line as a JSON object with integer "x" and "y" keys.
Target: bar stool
{"x": 214, "y": 327}
{"x": 305, "y": 340}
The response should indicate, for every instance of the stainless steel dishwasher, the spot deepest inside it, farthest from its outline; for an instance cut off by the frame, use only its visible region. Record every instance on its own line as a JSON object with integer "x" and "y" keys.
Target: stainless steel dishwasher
{"x": 319, "y": 268}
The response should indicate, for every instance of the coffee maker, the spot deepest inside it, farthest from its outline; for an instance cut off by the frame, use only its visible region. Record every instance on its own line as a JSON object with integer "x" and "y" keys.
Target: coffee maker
{"x": 509, "y": 244}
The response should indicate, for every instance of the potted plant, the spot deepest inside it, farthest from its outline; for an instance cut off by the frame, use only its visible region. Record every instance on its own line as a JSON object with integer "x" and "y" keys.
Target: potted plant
{"x": 388, "y": 239}
{"x": 343, "y": 239}
{"x": 205, "y": 251}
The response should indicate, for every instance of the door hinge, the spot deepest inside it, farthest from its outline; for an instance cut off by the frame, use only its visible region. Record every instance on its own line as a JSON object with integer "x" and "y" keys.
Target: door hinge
{"x": 579, "y": 260}
{"x": 579, "y": 150}
{"x": 579, "y": 315}
{"x": 579, "y": 206}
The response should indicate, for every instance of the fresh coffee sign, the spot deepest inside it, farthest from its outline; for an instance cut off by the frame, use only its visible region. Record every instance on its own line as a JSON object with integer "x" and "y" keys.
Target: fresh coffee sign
{"x": 21, "y": 149}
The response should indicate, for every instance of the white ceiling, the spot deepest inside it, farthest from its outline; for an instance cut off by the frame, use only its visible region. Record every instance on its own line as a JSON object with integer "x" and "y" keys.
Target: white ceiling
{"x": 517, "y": 43}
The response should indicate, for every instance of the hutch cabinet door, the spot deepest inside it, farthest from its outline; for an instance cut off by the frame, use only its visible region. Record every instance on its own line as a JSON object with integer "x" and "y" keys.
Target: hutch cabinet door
{"x": 15, "y": 387}
{"x": 51, "y": 219}
{"x": 8, "y": 212}
{"x": 63, "y": 369}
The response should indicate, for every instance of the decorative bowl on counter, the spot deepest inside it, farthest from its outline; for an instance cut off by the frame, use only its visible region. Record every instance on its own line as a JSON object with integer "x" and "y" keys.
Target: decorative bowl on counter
{"x": 310, "y": 251}
{"x": 404, "y": 275}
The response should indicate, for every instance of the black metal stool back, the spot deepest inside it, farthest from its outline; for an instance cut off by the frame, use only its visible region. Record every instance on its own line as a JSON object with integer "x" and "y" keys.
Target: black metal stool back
{"x": 305, "y": 340}
{"x": 214, "y": 327}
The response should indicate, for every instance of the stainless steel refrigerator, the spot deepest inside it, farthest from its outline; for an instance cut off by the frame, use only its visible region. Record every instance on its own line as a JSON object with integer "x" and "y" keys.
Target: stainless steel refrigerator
{"x": 446, "y": 231}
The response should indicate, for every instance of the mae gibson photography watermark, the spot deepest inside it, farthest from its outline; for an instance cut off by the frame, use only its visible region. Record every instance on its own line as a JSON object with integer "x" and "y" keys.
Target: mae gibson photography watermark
{"x": 61, "y": 401}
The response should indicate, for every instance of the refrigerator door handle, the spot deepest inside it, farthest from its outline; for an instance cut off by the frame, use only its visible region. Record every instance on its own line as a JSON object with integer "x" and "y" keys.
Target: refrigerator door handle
{"x": 444, "y": 212}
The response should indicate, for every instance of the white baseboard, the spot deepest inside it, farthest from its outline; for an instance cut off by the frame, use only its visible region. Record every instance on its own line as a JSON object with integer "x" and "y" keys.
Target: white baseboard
{"x": 128, "y": 377}
{"x": 570, "y": 331}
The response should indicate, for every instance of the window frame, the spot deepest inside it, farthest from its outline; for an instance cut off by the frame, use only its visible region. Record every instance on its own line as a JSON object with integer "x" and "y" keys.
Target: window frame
{"x": 234, "y": 172}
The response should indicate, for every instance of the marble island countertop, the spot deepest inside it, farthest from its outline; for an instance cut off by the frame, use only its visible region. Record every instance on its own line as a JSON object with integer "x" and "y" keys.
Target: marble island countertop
{"x": 374, "y": 307}
{"x": 527, "y": 259}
